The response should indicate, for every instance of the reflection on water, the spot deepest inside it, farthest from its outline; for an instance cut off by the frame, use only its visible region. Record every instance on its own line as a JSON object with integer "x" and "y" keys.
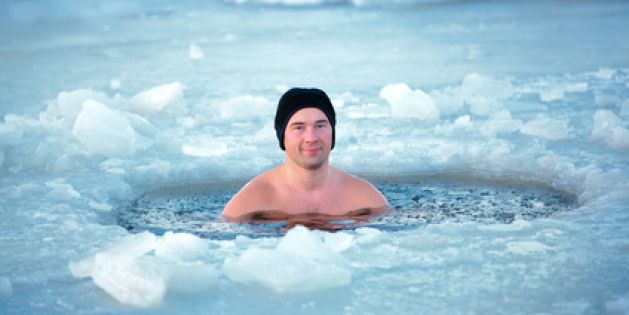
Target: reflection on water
{"x": 317, "y": 221}
{"x": 413, "y": 203}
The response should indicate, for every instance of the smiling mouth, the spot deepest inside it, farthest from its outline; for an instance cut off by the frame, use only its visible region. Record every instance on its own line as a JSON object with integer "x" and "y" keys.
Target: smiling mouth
{"x": 311, "y": 150}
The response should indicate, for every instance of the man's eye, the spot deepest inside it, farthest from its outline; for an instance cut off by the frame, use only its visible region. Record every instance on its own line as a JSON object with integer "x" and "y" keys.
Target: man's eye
{"x": 320, "y": 126}
{"x": 298, "y": 128}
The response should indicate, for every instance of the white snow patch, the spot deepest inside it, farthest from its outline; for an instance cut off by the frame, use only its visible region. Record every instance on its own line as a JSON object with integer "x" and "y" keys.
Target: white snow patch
{"x": 365, "y": 235}
{"x": 204, "y": 146}
{"x": 128, "y": 273}
{"x": 552, "y": 94}
{"x": 407, "y": 103}
{"x": 605, "y": 73}
{"x": 484, "y": 94}
{"x": 526, "y": 247}
{"x": 62, "y": 190}
{"x": 462, "y": 124}
{"x": 154, "y": 100}
{"x": 516, "y": 225}
{"x": 68, "y": 104}
{"x": 115, "y": 84}
{"x": 195, "y": 52}
{"x": 245, "y": 107}
{"x": 301, "y": 262}
{"x": 577, "y": 87}
{"x": 181, "y": 246}
{"x": 611, "y": 129}
{"x": 101, "y": 206}
{"x": 367, "y": 111}
{"x": 106, "y": 131}
{"x": 229, "y": 37}
{"x": 501, "y": 122}
{"x": 339, "y": 241}
{"x": 118, "y": 271}
{"x": 546, "y": 128}
{"x": 448, "y": 101}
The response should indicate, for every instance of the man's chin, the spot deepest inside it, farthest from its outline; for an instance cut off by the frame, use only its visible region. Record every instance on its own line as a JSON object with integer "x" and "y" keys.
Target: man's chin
{"x": 313, "y": 165}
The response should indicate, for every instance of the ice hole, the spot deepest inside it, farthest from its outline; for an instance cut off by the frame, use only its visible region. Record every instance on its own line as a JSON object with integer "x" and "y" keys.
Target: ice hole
{"x": 415, "y": 202}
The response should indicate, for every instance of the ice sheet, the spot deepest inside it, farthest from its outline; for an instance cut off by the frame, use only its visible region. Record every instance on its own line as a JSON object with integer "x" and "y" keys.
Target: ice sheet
{"x": 106, "y": 100}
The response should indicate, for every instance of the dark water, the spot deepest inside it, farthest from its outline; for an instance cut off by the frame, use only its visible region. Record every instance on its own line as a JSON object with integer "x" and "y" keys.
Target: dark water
{"x": 414, "y": 203}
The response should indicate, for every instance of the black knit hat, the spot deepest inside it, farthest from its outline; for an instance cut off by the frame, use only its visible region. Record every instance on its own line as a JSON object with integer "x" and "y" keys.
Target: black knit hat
{"x": 296, "y": 99}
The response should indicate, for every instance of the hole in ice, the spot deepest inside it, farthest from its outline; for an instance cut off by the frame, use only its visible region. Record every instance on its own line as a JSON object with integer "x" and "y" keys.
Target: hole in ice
{"x": 414, "y": 201}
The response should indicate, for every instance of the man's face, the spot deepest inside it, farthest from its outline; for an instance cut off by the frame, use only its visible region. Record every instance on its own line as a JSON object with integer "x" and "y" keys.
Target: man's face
{"x": 308, "y": 138}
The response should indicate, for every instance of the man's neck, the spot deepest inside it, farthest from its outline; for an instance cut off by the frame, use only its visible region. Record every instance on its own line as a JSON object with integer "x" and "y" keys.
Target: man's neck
{"x": 306, "y": 179}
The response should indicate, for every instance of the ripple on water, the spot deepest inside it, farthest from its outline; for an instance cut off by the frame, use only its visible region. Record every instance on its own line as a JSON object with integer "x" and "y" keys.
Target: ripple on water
{"x": 414, "y": 202}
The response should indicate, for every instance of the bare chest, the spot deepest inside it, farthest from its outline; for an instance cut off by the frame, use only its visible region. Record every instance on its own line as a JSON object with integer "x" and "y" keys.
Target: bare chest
{"x": 329, "y": 201}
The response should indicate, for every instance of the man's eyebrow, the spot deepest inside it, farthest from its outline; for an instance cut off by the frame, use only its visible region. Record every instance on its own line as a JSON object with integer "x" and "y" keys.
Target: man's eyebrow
{"x": 303, "y": 122}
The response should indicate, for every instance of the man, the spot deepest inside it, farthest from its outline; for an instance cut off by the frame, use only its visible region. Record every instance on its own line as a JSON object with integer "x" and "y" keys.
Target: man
{"x": 305, "y": 183}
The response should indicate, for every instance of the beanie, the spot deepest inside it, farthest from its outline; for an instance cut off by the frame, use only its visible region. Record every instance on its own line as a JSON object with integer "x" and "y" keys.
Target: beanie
{"x": 296, "y": 99}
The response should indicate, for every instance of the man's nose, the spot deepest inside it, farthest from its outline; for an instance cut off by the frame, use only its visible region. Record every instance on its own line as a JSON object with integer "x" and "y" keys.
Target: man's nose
{"x": 310, "y": 134}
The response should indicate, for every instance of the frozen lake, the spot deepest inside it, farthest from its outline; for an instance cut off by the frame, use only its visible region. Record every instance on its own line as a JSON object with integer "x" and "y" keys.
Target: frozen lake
{"x": 499, "y": 131}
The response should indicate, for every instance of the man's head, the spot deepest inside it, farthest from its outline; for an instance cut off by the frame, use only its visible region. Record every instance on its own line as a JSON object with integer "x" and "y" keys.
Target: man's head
{"x": 308, "y": 138}
{"x": 298, "y": 98}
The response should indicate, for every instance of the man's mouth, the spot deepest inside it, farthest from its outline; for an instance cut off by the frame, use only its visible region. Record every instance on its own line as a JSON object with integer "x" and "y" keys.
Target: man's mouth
{"x": 311, "y": 150}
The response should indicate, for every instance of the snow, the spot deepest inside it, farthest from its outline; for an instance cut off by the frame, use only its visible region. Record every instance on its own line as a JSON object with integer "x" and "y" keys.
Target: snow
{"x": 245, "y": 107}
{"x": 203, "y": 146}
{"x": 552, "y": 94}
{"x": 610, "y": 129}
{"x": 605, "y": 73}
{"x": 526, "y": 248}
{"x": 106, "y": 131}
{"x": 69, "y": 104}
{"x": 301, "y": 262}
{"x": 195, "y": 52}
{"x": 120, "y": 273}
{"x": 59, "y": 189}
{"x": 546, "y": 128}
{"x": 115, "y": 84}
{"x": 104, "y": 103}
{"x": 448, "y": 101}
{"x": 409, "y": 103}
{"x": 484, "y": 94}
{"x": 156, "y": 99}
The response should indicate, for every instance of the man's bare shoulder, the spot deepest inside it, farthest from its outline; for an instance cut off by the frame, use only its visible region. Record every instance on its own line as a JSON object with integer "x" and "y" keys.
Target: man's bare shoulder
{"x": 362, "y": 190}
{"x": 256, "y": 195}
